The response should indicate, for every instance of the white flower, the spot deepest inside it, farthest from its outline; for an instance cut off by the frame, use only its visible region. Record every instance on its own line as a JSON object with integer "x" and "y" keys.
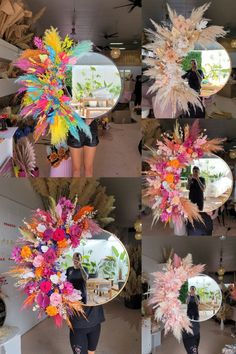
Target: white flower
{"x": 63, "y": 277}
{"x": 54, "y": 279}
{"x": 44, "y": 249}
{"x": 41, "y": 228}
{"x": 201, "y": 25}
{"x": 27, "y": 275}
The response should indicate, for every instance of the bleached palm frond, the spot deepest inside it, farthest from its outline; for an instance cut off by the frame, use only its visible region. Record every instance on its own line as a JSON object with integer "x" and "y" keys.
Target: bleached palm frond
{"x": 197, "y": 14}
{"x": 210, "y": 34}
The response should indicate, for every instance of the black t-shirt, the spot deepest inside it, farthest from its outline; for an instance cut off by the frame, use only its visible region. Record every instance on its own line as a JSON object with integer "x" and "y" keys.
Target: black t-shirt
{"x": 196, "y": 194}
{"x": 74, "y": 276}
{"x": 94, "y": 315}
{"x": 192, "y": 310}
{"x": 193, "y": 80}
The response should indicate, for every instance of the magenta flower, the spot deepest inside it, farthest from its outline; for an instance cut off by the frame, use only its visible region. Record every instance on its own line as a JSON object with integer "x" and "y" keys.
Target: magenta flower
{"x": 45, "y": 286}
{"x": 43, "y": 300}
{"x": 68, "y": 288}
{"x": 58, "y": 235}
{"x": 16, "y": 254}
{"x": 50, "y": 256}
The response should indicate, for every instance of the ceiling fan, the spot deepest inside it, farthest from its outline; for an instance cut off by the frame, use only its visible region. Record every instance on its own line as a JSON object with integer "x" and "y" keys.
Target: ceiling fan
{"x": 110, "y": 35}
{"x": 132, "y": 5}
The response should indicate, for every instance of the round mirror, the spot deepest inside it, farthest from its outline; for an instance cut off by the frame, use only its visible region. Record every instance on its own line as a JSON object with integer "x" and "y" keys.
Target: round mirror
{"x": 213, "y": 65}
{"x": 207, "y": 182}
{"x": 203, "y": 298}
{"x": 96, "y": 85}
{"x": 99, "y": 268}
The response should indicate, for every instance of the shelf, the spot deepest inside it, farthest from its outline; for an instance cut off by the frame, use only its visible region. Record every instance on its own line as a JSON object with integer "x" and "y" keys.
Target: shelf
{"x": 8, "y": 51}
{"x": 8, "y": 87}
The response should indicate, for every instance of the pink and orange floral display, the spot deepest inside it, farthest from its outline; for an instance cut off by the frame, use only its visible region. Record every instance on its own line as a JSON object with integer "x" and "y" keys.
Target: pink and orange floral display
{"x": 44, "y": 239}
{"x": 166, "y": 291}
{"x": 174, "y": 153}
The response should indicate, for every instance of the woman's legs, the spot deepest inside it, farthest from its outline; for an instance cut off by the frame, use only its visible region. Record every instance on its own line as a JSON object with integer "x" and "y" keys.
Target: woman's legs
{"x": 93, "y": 338}
{"x": 76, "y": 157}
{"x": 89, "y": 155}
{"x": 79, "y": 341}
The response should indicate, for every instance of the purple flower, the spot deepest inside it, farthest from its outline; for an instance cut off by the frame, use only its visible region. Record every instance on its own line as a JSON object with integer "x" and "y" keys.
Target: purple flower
{"x": 43, "y": 300}
{"x": 16, "y": 254}
{"x": 47, "y": 235}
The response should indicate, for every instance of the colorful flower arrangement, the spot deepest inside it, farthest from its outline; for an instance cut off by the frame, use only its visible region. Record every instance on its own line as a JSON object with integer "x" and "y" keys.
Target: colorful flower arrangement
{"x": 166, "y": 292}
{"x": 45, "y": 95}
{"x": 174, "y": 153}
{"x": 56, "y": 154}
{"x": 170, "y": 46}
{"x": 44, "y": 240}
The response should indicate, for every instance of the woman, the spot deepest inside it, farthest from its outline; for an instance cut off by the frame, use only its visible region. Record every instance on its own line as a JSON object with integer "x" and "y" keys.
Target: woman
{"x": 85, "y": 332}
{"x": 193, "y": 301}
{"x": 84, "y": 150}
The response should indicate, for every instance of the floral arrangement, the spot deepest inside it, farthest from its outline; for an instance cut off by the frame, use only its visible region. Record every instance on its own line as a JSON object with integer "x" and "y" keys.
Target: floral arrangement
{"x": 166, "y": 291}
{"x": 44, "y": 240}
{"x": 174, "y": 153}
{"x": 56, "y": 154}
{"x": 170, "y": 46}
{"x": 45, "y": 97}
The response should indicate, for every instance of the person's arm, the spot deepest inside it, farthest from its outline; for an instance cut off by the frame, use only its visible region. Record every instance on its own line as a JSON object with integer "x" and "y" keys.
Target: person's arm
{"x": 84, "y": 273}
{"x": 199, "y": 76}
{"x": 202, "y": 184}
{"x": 197, "y": 299}
{"x": 185, "y": 76}
{"x": 188, "y": 299}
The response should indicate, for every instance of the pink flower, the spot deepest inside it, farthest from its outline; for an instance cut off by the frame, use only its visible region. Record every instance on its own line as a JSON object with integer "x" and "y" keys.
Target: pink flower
{"x": 45, "y": 286}
{"x": 176, "y": 261}
{"x": 43, "y": 300}
{"x": 68, "y": 288}
{"x": 55, "y": 299}
{"x": 38, "y": 261}
{"x": 16, "y": 254}
{"x": 47, "y": 272}
{"x": 58, "y": 235}
{"x": 50, "y": 256}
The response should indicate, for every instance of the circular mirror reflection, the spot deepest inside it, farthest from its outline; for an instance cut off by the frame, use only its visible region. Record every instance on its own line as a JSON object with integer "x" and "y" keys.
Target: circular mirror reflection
{"x": 96, "y": 85}
{"x": 202, "y": 296}
{"x": 213, "y": 66}
{"x": 98, "y": 267}
{"x": 207, "y": 182}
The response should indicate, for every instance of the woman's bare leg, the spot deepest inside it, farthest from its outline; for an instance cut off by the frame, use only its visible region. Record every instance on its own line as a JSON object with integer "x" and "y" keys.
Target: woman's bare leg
{"x": 91, "y": 352}
{"x": 89, "y": 155}
{"x": 76, "y": 158}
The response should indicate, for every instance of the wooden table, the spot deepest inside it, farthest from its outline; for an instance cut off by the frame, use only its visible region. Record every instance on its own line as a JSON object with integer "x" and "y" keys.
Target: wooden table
{"x": 94, "y": 283}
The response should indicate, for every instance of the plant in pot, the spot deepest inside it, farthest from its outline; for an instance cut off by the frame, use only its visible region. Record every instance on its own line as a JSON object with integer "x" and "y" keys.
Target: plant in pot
{"x": 3, "y": 309}
{"x": 132, "y": 292}
{"x": 90, "y": 265}
{"x": 107, "y": 268}
{"x": 121, "y": 260}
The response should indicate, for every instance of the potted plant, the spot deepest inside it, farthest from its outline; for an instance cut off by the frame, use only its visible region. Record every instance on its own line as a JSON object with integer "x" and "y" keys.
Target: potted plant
{"x": 107, "y": 267}
{"x": 90, "y": 265}
{"x": 132, "y": 292}
{"x": 121, "y": 260}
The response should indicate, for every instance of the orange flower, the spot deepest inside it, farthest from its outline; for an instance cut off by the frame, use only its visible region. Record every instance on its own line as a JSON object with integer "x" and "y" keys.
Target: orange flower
{"x": 51, "y": 311}
{"x": 174, "y": 163}
{"x": 83, "y": 211}
{"x": 26, "y": 252}
{"x": 62, "y": 244}
{"x": 189, "y": 150}
{"x": 39, "y": 272}
{"x": 170, "y": 178}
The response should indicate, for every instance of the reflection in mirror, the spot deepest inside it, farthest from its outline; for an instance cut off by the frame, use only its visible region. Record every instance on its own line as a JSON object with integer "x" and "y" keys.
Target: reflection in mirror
{"x": 99, "y": 268}
{"x": 203, "y": 298}
{"x": 207, "y": 182}
{"x": 96, "y": 85}
{"x": 213, "y": 66}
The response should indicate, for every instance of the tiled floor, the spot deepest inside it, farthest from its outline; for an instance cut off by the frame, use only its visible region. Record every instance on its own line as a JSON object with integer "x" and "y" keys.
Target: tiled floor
{"x": 117, "y": 148}
{"x": 212, "y": 340}
{"x": 120, "y": 334}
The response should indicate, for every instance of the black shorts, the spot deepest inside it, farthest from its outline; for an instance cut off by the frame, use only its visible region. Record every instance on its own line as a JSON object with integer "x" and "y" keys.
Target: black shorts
{"x": 84, "y": 139}
{"x": 83, "y": 340}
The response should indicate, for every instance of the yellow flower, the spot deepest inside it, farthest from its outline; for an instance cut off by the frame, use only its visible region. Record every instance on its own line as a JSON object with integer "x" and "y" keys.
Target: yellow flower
{"x": 26, "y": 252}
{"x": 51, "y": 311}
{"x": 169, "y": 178}
{"x": 38, "y": 272}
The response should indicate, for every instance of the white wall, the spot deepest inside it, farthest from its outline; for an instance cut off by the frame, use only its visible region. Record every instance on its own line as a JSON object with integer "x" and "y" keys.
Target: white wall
{"x": 17, "y": 203}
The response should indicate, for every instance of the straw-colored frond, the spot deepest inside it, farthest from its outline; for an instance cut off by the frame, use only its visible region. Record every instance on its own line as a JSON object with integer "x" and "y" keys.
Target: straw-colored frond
{"x": 191, "y": 210}
{"x": 197, "y": 14}
{"x": 210, "y": 34}
{"x": 40, "y": 186}
{"x": 213, "y": 145}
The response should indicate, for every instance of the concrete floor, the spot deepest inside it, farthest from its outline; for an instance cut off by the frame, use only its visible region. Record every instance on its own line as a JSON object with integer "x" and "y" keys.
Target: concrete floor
{"x": 117, "y": 153}
{"x": 120, "y": 334}
{"x": 212, "y": 340}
